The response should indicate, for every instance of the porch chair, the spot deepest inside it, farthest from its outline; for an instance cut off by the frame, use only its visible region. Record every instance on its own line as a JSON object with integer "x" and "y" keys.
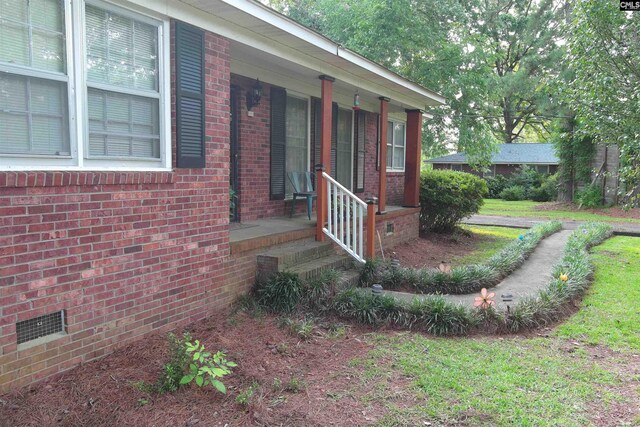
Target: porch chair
{"x": 303, "y": 186}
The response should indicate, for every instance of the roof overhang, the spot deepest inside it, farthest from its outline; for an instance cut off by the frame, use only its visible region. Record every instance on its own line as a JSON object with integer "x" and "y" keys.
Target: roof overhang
{"x": 258, "y": 28}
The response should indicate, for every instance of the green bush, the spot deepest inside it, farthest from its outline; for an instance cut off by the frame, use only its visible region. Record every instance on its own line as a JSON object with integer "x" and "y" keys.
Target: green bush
{"x": 495, "y": 185}
{"x": 514, "y": 193}
{"x": 462, "y": 279}
{"x": 447, "y": 197}
{"x": 281, "y": 293}
{"x": 589, "y": 197}
{"x": 547, "y": 191}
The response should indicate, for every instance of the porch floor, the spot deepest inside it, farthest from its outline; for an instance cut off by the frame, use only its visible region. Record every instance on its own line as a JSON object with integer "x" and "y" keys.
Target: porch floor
{"x": 273, "y": 231}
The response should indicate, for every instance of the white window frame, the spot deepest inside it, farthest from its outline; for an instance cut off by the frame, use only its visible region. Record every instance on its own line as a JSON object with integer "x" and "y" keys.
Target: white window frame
{"x": 349, "y": 187}
{"x": 74, "y": 12}
{"x": 392, "y": 123}
{"x": 307, "y": 98}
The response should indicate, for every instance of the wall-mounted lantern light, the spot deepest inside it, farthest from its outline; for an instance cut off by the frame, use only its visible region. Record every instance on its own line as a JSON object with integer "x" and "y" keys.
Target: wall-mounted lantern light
{"x": 254, "y": 95}
{"x": 356, "y": 101}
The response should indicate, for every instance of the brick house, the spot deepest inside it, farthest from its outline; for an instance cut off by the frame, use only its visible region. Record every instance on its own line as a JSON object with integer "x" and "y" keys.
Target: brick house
{"x": 507, "y": 160}
{"x": 123, "y": 126}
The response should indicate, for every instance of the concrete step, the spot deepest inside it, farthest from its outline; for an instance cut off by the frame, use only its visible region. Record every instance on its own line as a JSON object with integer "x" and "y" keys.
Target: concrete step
{"x": 313, "y": 268}
{"x": 348, "y": 278}
{"x": 282, "y": 257}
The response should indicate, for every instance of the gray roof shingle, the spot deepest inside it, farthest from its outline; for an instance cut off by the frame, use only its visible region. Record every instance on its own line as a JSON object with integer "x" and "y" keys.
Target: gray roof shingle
{"x": 511, "y": 154}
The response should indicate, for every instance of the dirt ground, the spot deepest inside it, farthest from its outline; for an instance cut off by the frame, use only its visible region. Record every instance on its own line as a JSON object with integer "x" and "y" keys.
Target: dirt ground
{"x": 432, "y": 248}
{"x": 100, "y": 393}
{"x": 614, "y": 211}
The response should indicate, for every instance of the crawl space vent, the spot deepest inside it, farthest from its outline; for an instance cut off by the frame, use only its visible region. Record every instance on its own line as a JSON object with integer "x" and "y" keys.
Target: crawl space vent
{"x": 38, "y": 327}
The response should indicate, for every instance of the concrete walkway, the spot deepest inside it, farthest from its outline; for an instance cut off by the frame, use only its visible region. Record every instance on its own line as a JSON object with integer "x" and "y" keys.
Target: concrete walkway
{"x": 619, "y": 228}
{"x": 527, "y": 280}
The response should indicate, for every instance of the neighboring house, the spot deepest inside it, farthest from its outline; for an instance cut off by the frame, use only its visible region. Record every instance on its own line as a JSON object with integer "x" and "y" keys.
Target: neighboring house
{"x": 508, "y": 159}
{"x": 123, "y": 125}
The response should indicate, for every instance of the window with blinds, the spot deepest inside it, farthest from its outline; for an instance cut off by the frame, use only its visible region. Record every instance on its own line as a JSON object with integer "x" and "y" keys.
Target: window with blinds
{"x": 122, "y": 85}
{"x": 33, "y": 79}
{"x": 119, "y": 96}
{"x": 297, "y": 139}
{"x": 395, "y": 146}
{"x": 344, "y": 148}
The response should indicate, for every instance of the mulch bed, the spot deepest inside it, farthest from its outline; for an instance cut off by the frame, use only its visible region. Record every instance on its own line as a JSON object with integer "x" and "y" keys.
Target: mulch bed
{"x": 100, "y": 393}
{"x": 613, "y": 212}
{"x": 432, "y": 248}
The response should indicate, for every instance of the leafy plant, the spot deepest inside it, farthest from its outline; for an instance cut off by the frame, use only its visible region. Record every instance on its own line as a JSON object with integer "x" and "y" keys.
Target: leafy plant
{"x": 514, "y": 193}
{"x": 447, "y": 197}
{"x": 495, "y": 185}
{"x": 281, "y": 293}
{"x": 589, "y": 197}
{"x": 244, "y": 398}
{"x": 206, "y": 368}
{"x": 302, "y": 329}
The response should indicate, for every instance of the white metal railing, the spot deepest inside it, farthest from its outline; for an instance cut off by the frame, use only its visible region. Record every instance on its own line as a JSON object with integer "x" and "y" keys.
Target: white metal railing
{"x": 345, "y": 218}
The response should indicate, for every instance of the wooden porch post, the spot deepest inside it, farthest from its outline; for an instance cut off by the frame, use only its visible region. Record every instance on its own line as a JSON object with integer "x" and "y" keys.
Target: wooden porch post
{"x": 382, "y": 186}
{"x": 325, "y": 154}
{"x": 413, "y": 159}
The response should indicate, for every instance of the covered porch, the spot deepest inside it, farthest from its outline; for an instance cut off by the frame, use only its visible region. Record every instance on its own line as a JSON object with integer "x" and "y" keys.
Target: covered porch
{"x": 399, "y": 224}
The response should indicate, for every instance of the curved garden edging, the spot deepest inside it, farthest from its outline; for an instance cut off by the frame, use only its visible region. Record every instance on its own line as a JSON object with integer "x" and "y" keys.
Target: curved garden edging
{"x": 434, "y": 314}
{"x": 465, "y": 279}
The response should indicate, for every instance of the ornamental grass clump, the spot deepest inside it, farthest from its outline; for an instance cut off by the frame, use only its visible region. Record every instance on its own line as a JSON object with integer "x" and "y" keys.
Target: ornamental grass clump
{"x": 435, "y": 314}
{"x": 463, "y": 279}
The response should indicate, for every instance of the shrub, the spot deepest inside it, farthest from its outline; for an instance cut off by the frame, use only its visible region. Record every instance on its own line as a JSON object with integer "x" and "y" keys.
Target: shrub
{"x": 318, "y": 290}
{"x": 281, "y": 293}
{"x": 447, "y": 197}
{"x": 495, "y": 185}
{"x": 514, "y": 193}
{"x": 589, "y": 197}
{"x": 547, "y": 191}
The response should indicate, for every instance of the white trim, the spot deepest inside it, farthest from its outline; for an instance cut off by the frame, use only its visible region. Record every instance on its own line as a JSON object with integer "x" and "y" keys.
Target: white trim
{"x": 322, "y": 62}
{"x": 76, "y": 79}
{"x": 403, "y": 123}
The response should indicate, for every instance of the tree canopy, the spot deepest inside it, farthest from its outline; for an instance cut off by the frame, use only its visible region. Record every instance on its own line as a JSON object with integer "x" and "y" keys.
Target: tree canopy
{"x": 489, "y": 58}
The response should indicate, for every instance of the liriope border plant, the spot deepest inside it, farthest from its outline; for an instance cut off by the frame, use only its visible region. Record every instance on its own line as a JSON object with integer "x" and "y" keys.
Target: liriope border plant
{"x": 463, "y": 279}
{"x": 435, "y": 315}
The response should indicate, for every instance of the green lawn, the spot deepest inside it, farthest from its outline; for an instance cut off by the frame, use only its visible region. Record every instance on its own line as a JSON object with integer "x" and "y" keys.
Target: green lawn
{"x": 561, "y": 379}
{"x": 493, "y": 240}
{"x": 610, "y": 312}
{"x": 527, "y": 209}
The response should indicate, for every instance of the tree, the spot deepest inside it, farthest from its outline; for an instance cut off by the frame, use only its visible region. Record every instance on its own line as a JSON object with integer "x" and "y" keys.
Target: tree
{"x": 604, "y": 58}
{"x": 489, "y": 58}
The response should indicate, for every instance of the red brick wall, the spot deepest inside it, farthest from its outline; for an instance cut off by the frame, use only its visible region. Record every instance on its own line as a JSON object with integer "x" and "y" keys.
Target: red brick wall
{"x": 254, "y": 161}
{"x": 122, "y": 253}
{"x": 395, "y": 180}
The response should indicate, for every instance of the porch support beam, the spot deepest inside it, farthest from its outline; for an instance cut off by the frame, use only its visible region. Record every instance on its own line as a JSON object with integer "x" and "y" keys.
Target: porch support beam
{"x": 324, "y": 164}
{"x": 382, "y": 185}
{"x": 413, "y": 159}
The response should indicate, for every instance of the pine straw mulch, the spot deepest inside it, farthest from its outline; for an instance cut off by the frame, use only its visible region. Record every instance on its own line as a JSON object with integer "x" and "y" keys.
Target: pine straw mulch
{"x": 100, "y": 393}
{"x": 432, "y": 248}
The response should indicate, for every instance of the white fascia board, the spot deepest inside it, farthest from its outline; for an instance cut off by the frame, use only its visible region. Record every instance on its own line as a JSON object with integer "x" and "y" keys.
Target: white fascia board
{"x": 210, "y": 22}
{"x": 371, "y": 66}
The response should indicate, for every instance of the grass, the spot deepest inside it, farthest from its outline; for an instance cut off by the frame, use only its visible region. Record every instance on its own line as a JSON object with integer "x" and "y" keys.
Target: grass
{"x": 493, "y": 240}
{"x": 519, "y": 381}
{"x": 492, "y": 382}
{"x": 527, "y": 209}
{"x": 610, "y": 312}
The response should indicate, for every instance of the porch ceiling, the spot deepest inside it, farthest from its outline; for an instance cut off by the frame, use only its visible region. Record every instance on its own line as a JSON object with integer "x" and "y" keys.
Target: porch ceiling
{"x": 265, "y": 44}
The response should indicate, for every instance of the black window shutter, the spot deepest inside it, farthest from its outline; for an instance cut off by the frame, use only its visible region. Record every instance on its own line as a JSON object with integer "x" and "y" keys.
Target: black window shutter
{"x": 359, "y": 152}
{"x": 334, "y": 140}
{"x": 278, "y": 142}
{"x": 316, "y": 119}
{"x": 190, "y": 99}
